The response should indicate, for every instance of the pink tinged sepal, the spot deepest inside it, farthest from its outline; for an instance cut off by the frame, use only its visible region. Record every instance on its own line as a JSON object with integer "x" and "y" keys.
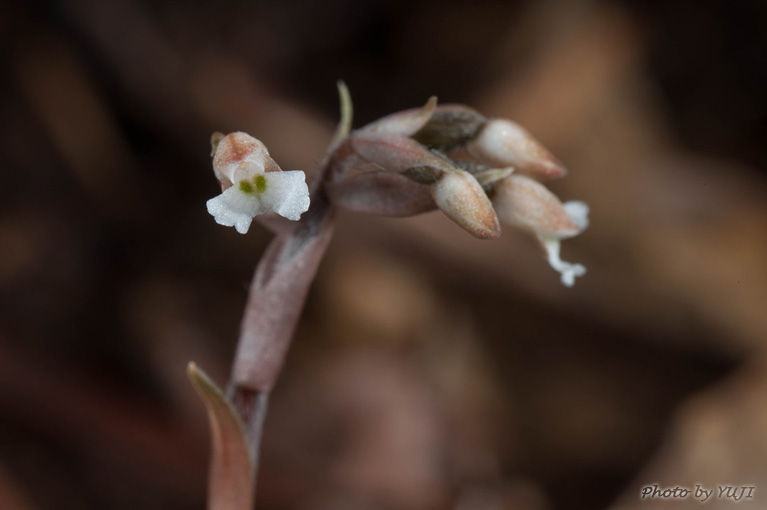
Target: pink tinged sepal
{"x": 393, "y": 152}
{"x": 458, "y": 194}
{"x": 235, "y": 151}
{"x": 502, "y": 143}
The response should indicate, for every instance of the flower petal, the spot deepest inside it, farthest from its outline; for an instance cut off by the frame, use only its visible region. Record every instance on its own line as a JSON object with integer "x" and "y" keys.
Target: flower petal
{"x": 235, "y": 208}
{"x": 286, "y": 193}
{"x": 579, "y": 212}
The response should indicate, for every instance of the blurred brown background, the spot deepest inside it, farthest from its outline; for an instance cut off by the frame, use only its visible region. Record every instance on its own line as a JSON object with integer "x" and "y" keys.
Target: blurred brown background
{"x": 430, "y": 370}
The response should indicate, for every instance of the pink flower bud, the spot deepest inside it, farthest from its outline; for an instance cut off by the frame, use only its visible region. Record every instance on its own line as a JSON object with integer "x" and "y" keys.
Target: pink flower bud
{"x": 528, "y": 205}
{"x": 502, "y": 143}
{"x": 237, "y": 150}
{"x": 458, "y": 194}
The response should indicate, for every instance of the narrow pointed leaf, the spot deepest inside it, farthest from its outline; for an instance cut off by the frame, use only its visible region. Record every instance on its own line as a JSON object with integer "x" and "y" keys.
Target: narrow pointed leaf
{"x": 230, "y": 483}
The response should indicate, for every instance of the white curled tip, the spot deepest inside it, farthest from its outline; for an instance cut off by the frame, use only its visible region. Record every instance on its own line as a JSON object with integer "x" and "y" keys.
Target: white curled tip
{"x": 579, "y": 212}
{"x": 284, "y": 193}
{"x": 568, "y": 270}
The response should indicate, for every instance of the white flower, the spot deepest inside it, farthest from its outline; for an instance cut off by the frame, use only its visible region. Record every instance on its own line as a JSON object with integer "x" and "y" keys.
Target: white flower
{"x": 578, "y": 212}
{"x": 528, "y": 205}
{"x": 253, "y": 184}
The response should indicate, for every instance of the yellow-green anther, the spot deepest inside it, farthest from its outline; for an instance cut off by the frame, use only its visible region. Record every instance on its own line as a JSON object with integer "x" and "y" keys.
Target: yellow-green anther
{"x": 260, "y": 182}
{"x": 246, "y": 187}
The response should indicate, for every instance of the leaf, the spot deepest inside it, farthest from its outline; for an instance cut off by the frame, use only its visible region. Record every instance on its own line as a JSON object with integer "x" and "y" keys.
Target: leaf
{"x": 230, "y": 482}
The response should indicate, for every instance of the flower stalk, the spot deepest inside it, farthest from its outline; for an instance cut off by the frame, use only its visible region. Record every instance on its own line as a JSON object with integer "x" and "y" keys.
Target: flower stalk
{"x": 401, "y": 165}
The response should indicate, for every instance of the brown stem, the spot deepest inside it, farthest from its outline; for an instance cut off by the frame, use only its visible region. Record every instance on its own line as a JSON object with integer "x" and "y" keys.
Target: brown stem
{"x": 276, "y": 298}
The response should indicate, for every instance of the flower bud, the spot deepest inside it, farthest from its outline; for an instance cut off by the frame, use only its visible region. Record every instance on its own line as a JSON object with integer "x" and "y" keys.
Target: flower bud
{"x": 253, "y": 184}
{"x": 458, "y": 194}
{"x": 503, "y": 143}
{"x": 236, "y": 151}
{"x": 526, "y": 204}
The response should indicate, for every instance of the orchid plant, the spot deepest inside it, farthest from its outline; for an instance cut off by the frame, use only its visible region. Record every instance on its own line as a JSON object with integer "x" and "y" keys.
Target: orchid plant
{"x": 479, "y": 172}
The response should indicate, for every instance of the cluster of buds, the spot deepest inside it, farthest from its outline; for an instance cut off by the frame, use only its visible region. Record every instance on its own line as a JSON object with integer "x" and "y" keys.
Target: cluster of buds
{"x": 479, "y": 172}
